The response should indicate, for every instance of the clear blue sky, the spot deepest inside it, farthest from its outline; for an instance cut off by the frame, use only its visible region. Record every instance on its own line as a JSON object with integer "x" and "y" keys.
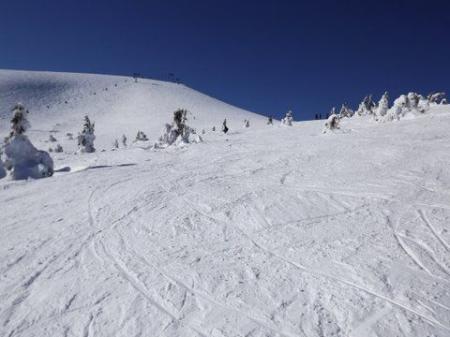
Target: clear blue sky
{"x": 265, "y": 56}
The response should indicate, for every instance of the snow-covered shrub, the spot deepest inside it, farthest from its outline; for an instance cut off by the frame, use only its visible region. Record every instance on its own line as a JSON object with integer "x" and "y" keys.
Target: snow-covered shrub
{"x": 214, "y": 128}
{"x": 116, "y": 144}
{"x": 345, "y": 111}
{"x": 69, "y": 135}
{"x": 224, "y": 126}
{"x": 246, "y": 123}
{"x": 52, "y": 138}
{"x": 332, "y": 123}
{"x": 413, "y": 101}
{"x": 178, "y": 133}
{"x": 398, "y": 109}
{"x": 269, "y": 120}
{"x": 366, "y": 107}
{"x": 86, "y": 137}
{"x": 423, "y": 104}
{"x": 124, "y": 140}
{"x": 141, "y": 136}
{"x": 288, "y": 119}
{"x": 444, "y": 101}
{"x": 22, "y": 158}
{"x": 436, "y": 97}
{"x": 59, "y": 148}
{"x": 383, "y": 105}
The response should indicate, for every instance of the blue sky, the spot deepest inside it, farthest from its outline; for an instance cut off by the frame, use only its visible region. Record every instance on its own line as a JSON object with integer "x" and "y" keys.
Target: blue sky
{"x": 265, "y": 56}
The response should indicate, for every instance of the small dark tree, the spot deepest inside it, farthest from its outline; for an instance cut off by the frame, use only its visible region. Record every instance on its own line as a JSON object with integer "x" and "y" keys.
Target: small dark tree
{"x": 224, "y": 126}
{"x": 270, "y": 120}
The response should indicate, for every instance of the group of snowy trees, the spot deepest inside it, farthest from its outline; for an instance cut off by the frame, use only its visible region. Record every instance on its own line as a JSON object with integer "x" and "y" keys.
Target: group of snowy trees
{"x": 411, "y": 103}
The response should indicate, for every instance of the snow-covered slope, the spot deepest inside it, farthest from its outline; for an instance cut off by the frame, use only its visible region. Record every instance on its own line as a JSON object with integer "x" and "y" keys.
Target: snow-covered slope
{"x": 59, "y": 101}
{"x": 267, "y": 231}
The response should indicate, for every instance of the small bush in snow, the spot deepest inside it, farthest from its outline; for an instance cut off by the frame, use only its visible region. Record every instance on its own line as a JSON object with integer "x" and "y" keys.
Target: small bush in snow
{"x": 214, "y": 128}
{"x": 124, "y": 140}
{"x": 69, "y": 135}
{"x": 178, "y": 133}
{"x": 2, "y": 167}
{"x": 269, "y": 120}
{"x": 22, "y": 158}
{"x": 246, "y": 123}
{"x": 141, "y": 136}
{"x": 59, "y": 148}
{"x": 288, "y": 119}
{"x": 52, "y": 138}
{"x": 116, "y": 144}
{"x": 86, "y": 137}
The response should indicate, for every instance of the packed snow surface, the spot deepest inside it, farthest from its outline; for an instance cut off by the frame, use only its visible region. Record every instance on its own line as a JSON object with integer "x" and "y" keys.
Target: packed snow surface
{"x": 264, "y": 231}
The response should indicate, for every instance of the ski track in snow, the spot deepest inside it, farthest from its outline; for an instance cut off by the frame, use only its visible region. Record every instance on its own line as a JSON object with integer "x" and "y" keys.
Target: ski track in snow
{"x": 266, "y": 231}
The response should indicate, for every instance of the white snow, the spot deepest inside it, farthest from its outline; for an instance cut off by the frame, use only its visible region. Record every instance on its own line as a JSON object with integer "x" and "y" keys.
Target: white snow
{"x": 264, "y": 231}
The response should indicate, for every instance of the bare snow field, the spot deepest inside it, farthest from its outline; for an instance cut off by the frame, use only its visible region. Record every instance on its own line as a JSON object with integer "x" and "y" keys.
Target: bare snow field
{"x": 264, "y": 231}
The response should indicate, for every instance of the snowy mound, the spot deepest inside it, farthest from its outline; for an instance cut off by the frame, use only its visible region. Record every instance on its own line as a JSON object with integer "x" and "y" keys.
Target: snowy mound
{"x": 58, "y": 102}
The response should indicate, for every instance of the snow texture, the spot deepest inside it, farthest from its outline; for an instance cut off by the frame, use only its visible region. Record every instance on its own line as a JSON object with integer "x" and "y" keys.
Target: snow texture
{"x": 267, "y": 231}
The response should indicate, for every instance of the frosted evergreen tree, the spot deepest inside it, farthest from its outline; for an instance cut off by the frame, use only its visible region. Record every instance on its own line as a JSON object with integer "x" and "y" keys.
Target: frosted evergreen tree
{"x": 178, "y": 133}
{"x": 124, "y": 140}
{"x": 288, "y": 119}
{"x": 246, "y": 123}
{"x": 86, "y": 137}
{"x": 224, "y": 126}
{"x": 412, "y": 101}
{"x": 345, "y": 111}
{"x": 23, "y": 160}
{"x": 436, "y": 97}
{"x": 383, "y": 105}
{"x": 332, "y": 122}
{"x": 366, "y": 107}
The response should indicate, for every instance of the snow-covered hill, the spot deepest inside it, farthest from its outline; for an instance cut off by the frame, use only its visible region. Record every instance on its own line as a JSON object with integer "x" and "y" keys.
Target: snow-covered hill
{"x": 59, "y": 101}
{"x": 266, "y": 231}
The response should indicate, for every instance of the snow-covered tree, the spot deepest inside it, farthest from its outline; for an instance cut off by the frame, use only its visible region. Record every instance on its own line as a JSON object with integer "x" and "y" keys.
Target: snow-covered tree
{"x": 288, "y": 119}
{"x": 52, "y": 138}
{"x": 366, "y": 107}
{"x": 23, "y": 160}
{"x": 224, "y": 126}
{"x": 246, "y": 123}
{"x": 178, "y": 133}
{"x": 269, "y": 120}
{"x": 383, "y": 105}
{"x": 214, "y": 128}
{"x": 412, "y": 101}
{"x": 19, "y": 121}
{"x": 116, "y": 144}
{"x": 345, "y": 111}
{"x": 398, "y": 109}
{"x": 332, "y": 122}
{"x": 124, "y": 140}
{"x": 436, "y": 97}
{"x": 141, "y": 136}
{"x": 86, "y": 137}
